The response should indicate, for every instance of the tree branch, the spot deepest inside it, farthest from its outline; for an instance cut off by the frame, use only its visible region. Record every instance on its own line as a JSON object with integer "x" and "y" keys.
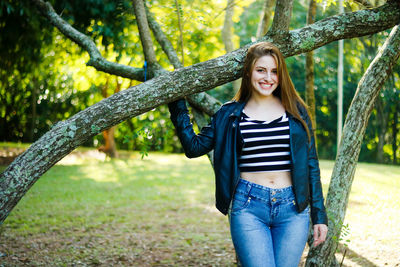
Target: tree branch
{"x": 265, "y": 18}
{"x": 163, "y": 41}
{"x": 96, "y": 60}
{"x": 310, "y": 95}
{"x": 364, "y": 3}
{"x": 202, "y": 100}
{"x": 145, "y": 37}
{"x": 283, "y": 14}
{"x": 342, "y": 26}
{"x": 353, "y": 132}
{"x": 178, "y": 11}
{"x": 228, "y": 25}
{"x": 226, "y": 35}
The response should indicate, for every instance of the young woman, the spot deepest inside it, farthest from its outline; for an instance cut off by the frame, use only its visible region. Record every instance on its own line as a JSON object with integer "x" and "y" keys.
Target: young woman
{"x": 265, "y": 162}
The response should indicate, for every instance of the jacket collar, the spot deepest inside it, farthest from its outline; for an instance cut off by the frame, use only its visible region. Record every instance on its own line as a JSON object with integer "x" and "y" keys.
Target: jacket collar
{"x": 237, "y": 110}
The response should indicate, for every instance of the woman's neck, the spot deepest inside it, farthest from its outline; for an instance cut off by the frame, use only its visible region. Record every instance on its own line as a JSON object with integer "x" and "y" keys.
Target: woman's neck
{"x": 264, "y": 102}
{"x": 264, "y": 109}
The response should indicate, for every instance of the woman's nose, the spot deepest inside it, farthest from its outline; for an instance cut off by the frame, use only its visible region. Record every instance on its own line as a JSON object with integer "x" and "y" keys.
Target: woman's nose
{"x": 269, "y": 77}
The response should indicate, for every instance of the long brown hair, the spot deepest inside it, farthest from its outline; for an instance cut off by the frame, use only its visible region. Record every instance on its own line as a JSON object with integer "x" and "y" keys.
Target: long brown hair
{"x": 285, "y": 90}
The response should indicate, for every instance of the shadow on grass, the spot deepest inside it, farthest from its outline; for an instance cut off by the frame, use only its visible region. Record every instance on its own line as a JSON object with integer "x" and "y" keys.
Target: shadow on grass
{"x": 157, "y": 211}
{"x": 353, "y": 257}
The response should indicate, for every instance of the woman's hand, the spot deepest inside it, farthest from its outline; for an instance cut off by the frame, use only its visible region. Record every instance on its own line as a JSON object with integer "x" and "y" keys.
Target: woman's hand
{"x": 320, "y": 232}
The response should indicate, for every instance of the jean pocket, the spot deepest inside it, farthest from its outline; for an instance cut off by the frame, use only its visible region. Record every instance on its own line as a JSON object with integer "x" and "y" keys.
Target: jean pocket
{"x": 240, "y": 202}
{"x": 306, "y": 211}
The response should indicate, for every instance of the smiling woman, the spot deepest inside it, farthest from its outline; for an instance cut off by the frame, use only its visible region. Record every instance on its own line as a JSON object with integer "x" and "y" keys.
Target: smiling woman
{"x": 265, "y": 162}
{"x": 264, "y": 77}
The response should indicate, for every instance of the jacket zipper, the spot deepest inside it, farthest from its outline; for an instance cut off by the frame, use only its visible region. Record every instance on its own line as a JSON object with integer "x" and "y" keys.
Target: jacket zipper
{"x": 241, "y": 148}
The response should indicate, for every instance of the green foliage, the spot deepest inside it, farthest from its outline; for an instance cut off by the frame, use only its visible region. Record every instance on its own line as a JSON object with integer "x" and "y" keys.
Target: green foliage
{"x": 339, "y": 227}
{"x": 47, "y": 80}
{"x": 104, "y": 20}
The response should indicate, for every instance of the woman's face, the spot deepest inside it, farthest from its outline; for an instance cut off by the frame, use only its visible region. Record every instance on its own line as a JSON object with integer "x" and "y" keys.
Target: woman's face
{"x": 264, "y": 77}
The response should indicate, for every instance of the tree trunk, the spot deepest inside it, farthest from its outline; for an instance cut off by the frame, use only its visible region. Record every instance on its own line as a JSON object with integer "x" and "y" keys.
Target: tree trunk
{"x": 395, "y": 130}
{"x": 226, "y": 35}
{"x": 265, "y": 18}
{"x": 350, "y": 145}
{"x": 310, "y": 95}
{"x": 109, "y": 147}
{"x": 34, "y": 114}
{"x": 381, "y": 120}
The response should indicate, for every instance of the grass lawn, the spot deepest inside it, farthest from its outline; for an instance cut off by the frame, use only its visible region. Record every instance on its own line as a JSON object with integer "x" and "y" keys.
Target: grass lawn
{"x": 159, "y": 211}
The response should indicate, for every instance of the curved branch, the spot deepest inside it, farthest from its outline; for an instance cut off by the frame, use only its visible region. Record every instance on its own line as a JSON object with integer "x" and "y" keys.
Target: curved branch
{"x": 202, "y": 100}
{"x": 163, "y": 41}
{"x": 145, "y": 37}
{"x": 265, "y": 18}
{"x": 96, "y": 60}
{"x": 353, "y": 132}
{"x": 283, "y": 14}
{"x": 343, "y": 26}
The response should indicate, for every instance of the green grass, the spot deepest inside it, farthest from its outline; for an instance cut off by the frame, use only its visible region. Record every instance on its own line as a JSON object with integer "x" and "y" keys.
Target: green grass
{"x": 14, "y": 145}
{"x": 160, "y": 211}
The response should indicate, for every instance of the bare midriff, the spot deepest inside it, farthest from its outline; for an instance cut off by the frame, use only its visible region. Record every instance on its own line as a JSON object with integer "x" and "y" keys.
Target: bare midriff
{"x": 279, "y": 179}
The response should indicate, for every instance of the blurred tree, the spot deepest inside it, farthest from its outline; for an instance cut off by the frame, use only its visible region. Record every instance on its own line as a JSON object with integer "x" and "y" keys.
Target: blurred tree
{"x": 310, "y": 96}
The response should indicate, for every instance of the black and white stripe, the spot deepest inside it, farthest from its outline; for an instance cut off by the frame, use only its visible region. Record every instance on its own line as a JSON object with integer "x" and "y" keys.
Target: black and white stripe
{"x": 266, "y": 145}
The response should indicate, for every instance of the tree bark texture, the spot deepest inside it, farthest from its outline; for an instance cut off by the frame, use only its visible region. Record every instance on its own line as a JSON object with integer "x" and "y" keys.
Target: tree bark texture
{"x": 145, "y": 36}
{"x": 381, "y": 119}
{"x": 178, "y": 11}
{"x": 226, "y": 34}
{"x": 265, "y": 18}
{"x": 310, "y": 95}
{"x": 228, "y": 26}
{"x": 109, "y": 147}
{"x": 282, "y": 16}
{"x": 66, "y": 135}
{"x": 356, "y": 121}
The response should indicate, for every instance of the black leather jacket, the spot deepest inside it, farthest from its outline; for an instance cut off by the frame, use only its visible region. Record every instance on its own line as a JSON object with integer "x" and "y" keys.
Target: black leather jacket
{"x": 223, "y": 135}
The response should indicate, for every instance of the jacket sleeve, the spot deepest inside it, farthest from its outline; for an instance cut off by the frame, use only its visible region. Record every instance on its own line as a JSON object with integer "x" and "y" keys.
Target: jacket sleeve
{"x": 318, "y": 212}
{"x": 193, "y": 145}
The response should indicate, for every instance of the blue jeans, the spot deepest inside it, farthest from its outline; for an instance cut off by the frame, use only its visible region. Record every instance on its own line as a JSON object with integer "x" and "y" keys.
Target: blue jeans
{"x": 265, "y": 226}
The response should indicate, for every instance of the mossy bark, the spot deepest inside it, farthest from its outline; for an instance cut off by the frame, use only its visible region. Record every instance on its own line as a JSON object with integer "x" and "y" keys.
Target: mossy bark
{"x": 353, "y": 132}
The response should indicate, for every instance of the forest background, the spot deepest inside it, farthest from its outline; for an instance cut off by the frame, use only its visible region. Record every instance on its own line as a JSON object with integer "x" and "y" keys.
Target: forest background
{"x": 45, "y": 83}
{"x": 44, "y": 79}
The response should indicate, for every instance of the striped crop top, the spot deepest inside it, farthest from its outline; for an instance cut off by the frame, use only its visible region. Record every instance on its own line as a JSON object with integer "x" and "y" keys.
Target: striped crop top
{"x": 266, "y": 145}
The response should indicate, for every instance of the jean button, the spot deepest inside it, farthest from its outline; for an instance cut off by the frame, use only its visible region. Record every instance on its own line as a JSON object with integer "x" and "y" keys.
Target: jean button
{"x": 274, "y": 199}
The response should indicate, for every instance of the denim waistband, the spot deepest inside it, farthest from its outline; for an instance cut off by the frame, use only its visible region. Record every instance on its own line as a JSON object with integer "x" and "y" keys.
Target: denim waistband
{"x": 265, "y": 193}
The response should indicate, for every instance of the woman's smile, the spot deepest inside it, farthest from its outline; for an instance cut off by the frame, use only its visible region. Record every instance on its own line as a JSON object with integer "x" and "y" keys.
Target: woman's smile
{"x": 264, "y": 77}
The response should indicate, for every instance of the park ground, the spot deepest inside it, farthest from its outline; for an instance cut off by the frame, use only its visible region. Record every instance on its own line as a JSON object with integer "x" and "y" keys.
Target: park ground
{"x": 89, "y": 210}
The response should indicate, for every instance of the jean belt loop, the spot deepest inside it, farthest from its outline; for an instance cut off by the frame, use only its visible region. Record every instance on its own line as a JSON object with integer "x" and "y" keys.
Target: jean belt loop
{"x": 248, "y": 189}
